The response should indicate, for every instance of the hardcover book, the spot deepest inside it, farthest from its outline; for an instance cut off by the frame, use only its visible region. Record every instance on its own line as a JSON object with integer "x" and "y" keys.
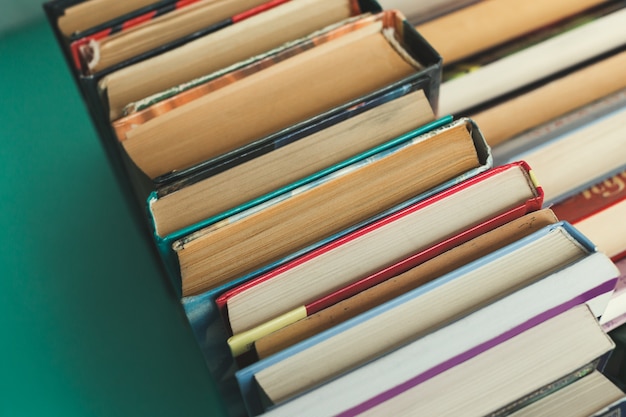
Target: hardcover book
{"x": 598, "y": 212}
{"x": 100, "y": 108}
{"x": 533, "y": 63}
{"x": 592, "y": 395}
{"x": 204, "y": 317}
{"x": 442, "y": 221}
{"x": 326, "y": 312}
{"x": 215, "y": 253}
{"x": 131, "y": 60}
{"x": 284, "y": 156}
{"x": 545, "y": 298}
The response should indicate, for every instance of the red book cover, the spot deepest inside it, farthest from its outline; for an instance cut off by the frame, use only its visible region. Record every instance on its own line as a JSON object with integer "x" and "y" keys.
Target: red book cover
{"x": 592, "y": 200}
{"x": 401, "y": 266}
{"x": 418, "y": 258}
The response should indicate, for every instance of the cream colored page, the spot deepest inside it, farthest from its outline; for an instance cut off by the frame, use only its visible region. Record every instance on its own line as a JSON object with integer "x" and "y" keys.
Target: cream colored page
{"x": 390, "y": 329}
{"x": 94, "y": 12}
{"x": 167, "y": 28}
{"x": 485, "y": 24}
{"x": 367, "y": 253}
{"x": 203, "y": 56}
{"x": 213, "y": 256}
{"x": 565, "y": 165}
{"x": 505, "y": 120}
{"x": 290, "y": 163}
{"x": 264, "y": 103}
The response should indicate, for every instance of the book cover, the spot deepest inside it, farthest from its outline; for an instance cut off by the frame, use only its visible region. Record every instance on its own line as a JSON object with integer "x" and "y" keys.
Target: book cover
{"x": 598, "y": 212}
{"x": 615, "y": 314}
{"x": 593, "y": 199}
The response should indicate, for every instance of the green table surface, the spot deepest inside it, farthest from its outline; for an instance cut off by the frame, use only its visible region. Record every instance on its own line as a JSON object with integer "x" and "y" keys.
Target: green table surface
{"x": 88, "y": 327}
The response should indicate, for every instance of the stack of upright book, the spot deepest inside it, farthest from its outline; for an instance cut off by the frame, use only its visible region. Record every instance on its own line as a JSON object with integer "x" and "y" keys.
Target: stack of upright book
{"x": 342, "y": 246}
{"x": 545, "y": 86}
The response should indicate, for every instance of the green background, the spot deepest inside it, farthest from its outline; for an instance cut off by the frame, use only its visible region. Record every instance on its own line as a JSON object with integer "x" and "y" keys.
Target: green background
{"x": 87, "y": 325}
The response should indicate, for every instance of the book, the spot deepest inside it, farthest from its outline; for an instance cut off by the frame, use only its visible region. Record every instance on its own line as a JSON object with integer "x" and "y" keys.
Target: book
{"x": 196, "y": 56}
{"x": 209, "y": 328}
{"x": 597, "y": 211}
{"x": 559, "y": 96}
{"x": 245, "y": 242}
{"x": 321, "y": 317}
{"x": 174, "y": 181}
{"x": 558, "y": 127}
{"x": 80, "y": 40}
{"x": 374, "y": 50}
{"x": 424, "y": 10}
{"x": 564, "y": 163}
{"x": 475, "y": 388}
{"x": 473, "y": 332}
{"x": 437, "y": 304}
{"x": 582, "y": 398}
{"x": 483, "y": 25}
{"x": 381, "y": 244}
{"x": 533, "y": 63}
{"x": 271, "y": 301}
{"x": 615, "y": 312}
{"x": 80, "y": 16}
{"x": 270, "y": 172}
{"x": 141, "y": 34}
